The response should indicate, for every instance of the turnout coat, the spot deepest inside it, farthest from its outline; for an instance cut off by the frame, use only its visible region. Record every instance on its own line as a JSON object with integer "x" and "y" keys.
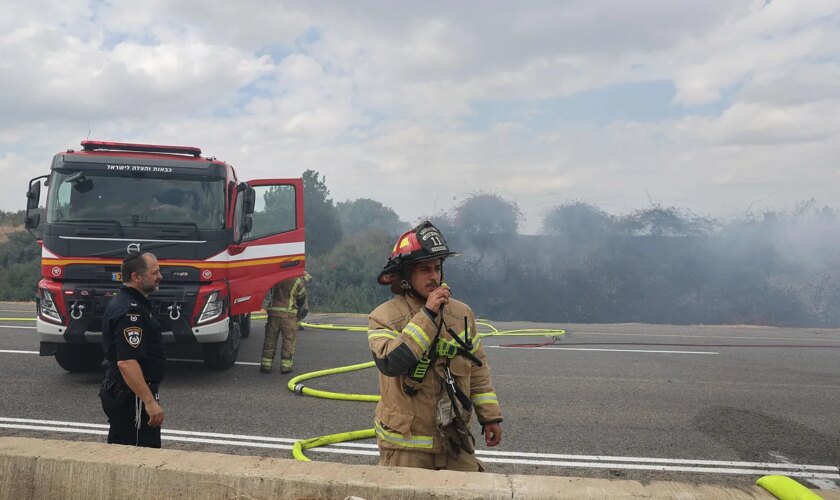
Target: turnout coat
{"x": 400, "y": 332}
{"x": 285, "y": 297}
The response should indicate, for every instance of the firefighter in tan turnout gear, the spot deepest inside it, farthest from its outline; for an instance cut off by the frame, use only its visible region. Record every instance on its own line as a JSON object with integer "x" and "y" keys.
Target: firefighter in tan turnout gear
{"x": 433, "y": 372}
{"x": 303, "y": 302}
{"x": 286, "y": 297}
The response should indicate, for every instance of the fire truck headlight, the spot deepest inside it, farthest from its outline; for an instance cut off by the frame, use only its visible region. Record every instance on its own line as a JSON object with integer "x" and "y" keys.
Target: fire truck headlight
{"x": 47, "y": 307}
{"x": 213, "y": 308}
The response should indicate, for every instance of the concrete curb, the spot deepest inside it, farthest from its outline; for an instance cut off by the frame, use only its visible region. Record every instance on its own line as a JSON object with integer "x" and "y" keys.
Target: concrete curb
{"x": 38, "y": 468}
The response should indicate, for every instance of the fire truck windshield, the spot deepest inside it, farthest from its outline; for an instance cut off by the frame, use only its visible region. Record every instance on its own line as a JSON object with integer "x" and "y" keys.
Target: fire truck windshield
{"x": 131, "y": 198}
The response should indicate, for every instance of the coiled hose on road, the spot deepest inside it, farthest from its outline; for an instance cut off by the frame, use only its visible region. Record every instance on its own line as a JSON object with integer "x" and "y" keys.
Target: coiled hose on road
{"x": 295, "y": 384}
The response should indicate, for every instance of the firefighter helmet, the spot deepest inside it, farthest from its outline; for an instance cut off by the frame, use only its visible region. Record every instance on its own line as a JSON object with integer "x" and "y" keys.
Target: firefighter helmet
{"x": 424, "y": 242}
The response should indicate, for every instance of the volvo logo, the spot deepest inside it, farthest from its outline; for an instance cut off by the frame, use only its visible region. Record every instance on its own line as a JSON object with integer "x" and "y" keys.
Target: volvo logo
{"x": 133, "y": 247}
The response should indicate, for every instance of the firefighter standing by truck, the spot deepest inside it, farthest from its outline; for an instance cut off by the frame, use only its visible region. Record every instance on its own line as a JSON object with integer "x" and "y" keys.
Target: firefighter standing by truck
{"x": 303, "y": 302}
{"x": 282, "y": 322}
{"x": 433, "y": 370}
{"x": 134, "y": 355}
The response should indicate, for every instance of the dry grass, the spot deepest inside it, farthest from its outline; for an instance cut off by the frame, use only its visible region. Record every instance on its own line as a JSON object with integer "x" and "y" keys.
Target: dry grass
{"x": 6, "y": 230}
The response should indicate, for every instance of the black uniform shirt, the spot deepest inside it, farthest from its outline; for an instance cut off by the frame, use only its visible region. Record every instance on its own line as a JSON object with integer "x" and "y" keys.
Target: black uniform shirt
{"x": 131, "y": 331}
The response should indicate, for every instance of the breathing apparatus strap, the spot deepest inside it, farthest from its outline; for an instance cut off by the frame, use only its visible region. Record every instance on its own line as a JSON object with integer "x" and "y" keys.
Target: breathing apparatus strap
{"x": 418, "y": 373}
{"x": 466, "y": 343}
{"x": 422, "y": 367}
{"x": 455, "y": 393}
{"x": 452, "y": 389}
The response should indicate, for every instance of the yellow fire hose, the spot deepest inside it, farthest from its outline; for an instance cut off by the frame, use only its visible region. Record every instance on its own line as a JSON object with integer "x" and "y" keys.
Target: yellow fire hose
{"x": 297, "y": 387}
{"x": 295, "y": 384}
{"x": 305, "y": 444}
{"x": 785, "y": 488}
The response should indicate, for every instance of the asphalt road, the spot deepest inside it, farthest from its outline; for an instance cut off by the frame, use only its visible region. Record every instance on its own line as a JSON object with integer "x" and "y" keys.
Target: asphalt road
{"x": 722, "y": 405}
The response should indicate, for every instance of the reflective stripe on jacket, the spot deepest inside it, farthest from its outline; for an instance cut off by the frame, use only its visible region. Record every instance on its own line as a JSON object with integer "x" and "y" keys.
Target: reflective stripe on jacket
{"x": 284, "y": 296}
{"x": 400, "y": 332}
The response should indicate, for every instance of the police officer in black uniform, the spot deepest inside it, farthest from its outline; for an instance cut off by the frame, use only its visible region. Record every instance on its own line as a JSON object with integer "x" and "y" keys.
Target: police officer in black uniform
{"x": 136, "y": 363}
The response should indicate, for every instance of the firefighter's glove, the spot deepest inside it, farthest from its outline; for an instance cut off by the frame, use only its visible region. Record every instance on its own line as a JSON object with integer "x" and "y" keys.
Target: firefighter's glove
{"x": 447, "y": 348}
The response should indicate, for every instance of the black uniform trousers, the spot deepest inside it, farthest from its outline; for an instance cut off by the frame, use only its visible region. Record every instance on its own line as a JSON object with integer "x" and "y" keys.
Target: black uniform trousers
{"x": 122, "y": 408}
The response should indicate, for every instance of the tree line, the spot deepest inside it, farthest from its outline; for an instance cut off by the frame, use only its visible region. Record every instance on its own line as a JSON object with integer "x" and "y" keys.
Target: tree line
{"x": 20, "y": 265}
{"x": 656, "y": 264}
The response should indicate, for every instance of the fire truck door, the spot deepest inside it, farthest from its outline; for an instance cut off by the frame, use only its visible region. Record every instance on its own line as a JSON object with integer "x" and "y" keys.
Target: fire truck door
{"x": 274, "y": 248}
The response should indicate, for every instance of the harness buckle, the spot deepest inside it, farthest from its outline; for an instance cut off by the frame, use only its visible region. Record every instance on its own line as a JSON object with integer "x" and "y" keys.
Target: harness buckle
{"x": 447, "y": 376}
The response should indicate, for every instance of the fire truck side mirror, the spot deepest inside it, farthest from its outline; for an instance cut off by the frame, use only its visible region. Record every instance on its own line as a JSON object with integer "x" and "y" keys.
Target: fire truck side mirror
{"x": 245, "y": 227}
{"x": 33, "y": 195}
{"x": 32, "y": 220}
{"x": 249, "y": 201}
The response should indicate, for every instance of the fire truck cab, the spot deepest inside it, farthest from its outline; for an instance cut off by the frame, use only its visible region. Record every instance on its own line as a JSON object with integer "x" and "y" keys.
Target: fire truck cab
{"x": 221, "y": 244}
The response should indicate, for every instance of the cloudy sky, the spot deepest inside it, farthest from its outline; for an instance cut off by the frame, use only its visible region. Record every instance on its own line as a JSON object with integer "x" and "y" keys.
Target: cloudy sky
{"x": 718, "y": 106}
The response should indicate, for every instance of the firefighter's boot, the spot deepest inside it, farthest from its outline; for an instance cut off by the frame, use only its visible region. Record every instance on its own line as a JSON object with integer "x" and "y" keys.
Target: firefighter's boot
{"x": 265, "y": 366}
{"x": 285, "y": 365}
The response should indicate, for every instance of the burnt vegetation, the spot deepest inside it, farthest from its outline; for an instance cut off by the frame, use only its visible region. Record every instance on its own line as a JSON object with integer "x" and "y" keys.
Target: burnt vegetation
{"x": 657, "y": 264}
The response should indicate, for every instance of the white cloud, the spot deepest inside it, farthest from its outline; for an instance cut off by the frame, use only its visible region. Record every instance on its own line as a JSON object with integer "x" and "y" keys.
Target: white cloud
{"x": 376, "y": 96}
{"x": 58, "y": 76}
{"x": 773, "y": 36}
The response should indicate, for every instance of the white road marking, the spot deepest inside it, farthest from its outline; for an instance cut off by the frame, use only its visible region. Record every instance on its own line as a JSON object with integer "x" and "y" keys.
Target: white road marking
{"x": 785, "y": 465}
{"x": 824, "y": 472}
{"x": 605, "y": 350}
{"x": 822, "y": 484}
{"x": 704, "y": 336}
{"x": 16, "y": 327}
{"x": 715, "y": 470}
{"x": 184, "y": 360}
{"x": 181, "y": 360}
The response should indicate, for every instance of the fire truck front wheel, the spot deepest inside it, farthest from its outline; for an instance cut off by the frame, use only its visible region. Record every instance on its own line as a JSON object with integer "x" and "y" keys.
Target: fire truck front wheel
{"x": 79, "y": 358}
{"x": 222, "y": 355}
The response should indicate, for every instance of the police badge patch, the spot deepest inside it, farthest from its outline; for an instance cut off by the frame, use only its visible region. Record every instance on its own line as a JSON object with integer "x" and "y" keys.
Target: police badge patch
{"x": 133, "y": 335}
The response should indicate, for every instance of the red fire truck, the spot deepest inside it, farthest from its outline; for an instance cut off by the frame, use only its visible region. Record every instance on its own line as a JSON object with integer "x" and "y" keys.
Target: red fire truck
{"x": 221, "y": 244}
